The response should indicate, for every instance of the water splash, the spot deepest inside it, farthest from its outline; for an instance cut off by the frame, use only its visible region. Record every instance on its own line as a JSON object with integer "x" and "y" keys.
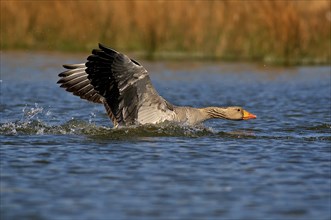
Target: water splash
{"x": 29, "y": 114}
{"x": 37, "y": 120}
{"x": 30, "y": 123}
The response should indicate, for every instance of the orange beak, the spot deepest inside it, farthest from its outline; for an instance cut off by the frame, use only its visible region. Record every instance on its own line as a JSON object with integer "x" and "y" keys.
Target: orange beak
{"x": 248, "y": 115}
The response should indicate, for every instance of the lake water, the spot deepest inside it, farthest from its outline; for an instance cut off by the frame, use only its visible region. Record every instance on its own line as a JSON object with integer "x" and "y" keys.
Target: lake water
{"x": 61, "y": 159}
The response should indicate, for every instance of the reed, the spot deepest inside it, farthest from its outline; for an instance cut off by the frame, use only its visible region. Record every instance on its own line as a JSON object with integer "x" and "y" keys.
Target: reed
{"x": 289, "y": 32}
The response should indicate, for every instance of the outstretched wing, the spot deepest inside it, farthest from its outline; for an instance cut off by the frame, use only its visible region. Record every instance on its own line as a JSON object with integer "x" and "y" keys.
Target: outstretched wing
{"x": 121, "y": 84}
{"x": 75, "y": 80}
{"x": 126, "y": 87}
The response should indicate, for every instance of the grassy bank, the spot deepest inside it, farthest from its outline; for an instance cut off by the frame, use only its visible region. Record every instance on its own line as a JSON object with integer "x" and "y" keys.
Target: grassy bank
{"x": 287, "y": 32}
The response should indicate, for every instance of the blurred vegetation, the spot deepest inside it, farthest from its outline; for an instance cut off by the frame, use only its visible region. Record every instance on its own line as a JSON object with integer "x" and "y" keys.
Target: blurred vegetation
{"x": 286, "y": 32}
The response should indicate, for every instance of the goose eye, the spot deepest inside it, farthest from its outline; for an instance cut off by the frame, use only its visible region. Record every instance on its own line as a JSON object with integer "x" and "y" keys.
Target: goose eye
{"x": 238, "y": 110}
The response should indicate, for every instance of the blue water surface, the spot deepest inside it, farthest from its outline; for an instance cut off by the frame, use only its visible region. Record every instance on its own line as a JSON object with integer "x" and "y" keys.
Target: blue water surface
{"x": 61, "y": 159}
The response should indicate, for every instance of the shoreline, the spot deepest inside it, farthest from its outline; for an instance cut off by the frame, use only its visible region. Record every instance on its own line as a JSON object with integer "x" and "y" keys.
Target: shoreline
{"x": 188, "y": 56}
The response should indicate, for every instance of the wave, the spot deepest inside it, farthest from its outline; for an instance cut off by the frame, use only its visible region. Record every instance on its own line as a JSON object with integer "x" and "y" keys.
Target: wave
{"x": 35, "y": 122}
{"x": 79, "y": 127}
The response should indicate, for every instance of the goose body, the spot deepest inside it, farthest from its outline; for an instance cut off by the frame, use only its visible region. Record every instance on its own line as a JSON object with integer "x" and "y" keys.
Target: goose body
{"x": 124, "y": 87}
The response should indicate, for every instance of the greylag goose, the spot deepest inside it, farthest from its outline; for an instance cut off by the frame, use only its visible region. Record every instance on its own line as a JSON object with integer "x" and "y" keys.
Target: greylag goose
{"x": 124, "y": 87}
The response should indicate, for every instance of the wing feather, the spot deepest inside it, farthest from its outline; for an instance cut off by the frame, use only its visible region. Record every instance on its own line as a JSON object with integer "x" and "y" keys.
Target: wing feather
{"x": 121, "y": 84}
{"x": 124, "y": 83}
{"x": 75, "y": 80}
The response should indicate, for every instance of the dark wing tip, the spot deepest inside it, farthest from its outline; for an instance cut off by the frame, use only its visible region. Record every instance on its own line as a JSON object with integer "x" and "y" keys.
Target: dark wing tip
{"x": 73, "y": 66}
{"x": 60, "y": 81}
{"x": 107, "y": 49}
{"x": 113, "y": 52}
{"x": 101, "y": 45}
{"x": 68, "y": 66}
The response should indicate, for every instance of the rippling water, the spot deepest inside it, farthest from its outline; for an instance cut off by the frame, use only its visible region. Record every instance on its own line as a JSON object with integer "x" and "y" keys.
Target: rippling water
{"x": 60, "y": 158}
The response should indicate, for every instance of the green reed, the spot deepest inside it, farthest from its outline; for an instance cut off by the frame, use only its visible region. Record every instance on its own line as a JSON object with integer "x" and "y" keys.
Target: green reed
{"x": 286, "y": 32}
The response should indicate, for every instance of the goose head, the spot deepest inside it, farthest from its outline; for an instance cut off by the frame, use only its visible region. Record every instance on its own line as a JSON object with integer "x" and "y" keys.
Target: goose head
{"x": 231, "y": 113}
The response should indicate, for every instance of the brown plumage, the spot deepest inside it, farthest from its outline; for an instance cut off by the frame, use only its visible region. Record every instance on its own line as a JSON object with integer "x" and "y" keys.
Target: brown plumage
{"x": 123, "y": 86}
